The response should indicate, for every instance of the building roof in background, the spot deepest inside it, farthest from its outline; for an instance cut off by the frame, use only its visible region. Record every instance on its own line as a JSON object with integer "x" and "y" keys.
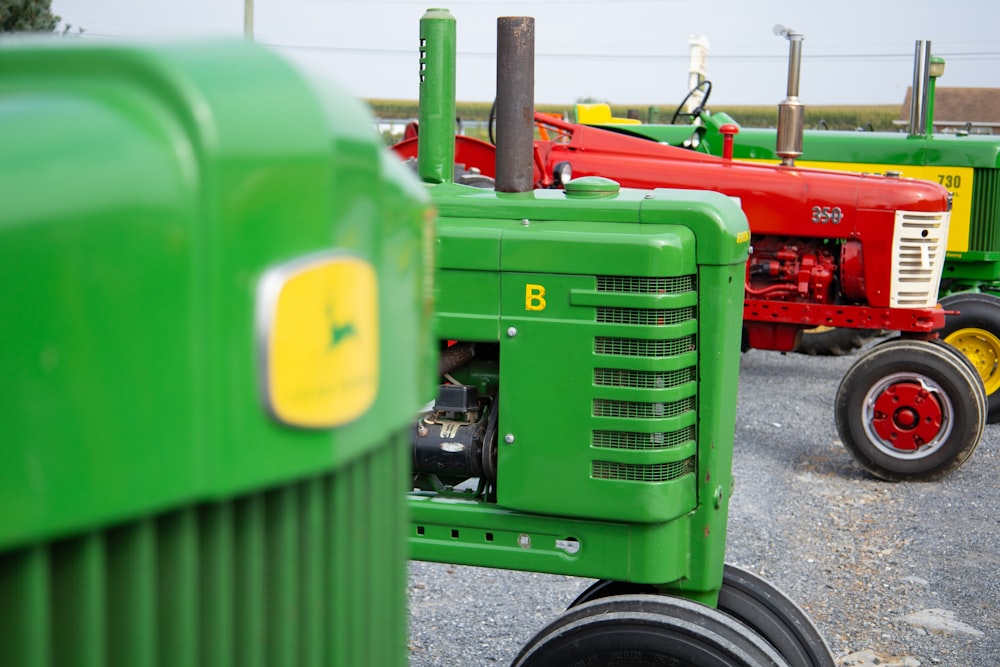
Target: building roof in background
{"x": 960, "y": 105}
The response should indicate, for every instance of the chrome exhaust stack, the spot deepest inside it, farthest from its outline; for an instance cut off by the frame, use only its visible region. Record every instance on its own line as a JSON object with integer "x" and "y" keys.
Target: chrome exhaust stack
{"x": 921, "y": 86}
{"x": 791, "y": 112}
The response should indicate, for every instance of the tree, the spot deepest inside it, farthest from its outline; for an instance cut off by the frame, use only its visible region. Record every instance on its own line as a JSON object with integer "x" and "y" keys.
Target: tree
{"x": 27, "y": 16}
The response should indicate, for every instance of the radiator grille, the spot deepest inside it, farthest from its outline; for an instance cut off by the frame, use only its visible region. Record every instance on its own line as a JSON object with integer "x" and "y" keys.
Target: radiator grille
{"x": 615, "y": 377}
{"x": 632, "y": 472}
{"x": 637, "y": 347}
{"x": 646, "y": 285}
{"x": 644, "y": 316}
{"x": 639, "y": 410}
{"x": 311, "y": 573}
{"x": 642, "y": 441}
{"x": 919, "y": 245}
{"x": 984, "y": 227}
{"x": 646, "y": 382}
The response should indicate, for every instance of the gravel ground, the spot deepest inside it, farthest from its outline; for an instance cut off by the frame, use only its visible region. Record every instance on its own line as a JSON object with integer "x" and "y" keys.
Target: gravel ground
{"x": 892, "y": 574}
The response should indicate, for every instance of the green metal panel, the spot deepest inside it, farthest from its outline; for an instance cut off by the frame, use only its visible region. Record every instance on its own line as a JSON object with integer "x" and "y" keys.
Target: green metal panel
{"x": 465, "y": 312}
{"x": 156, "y": 505}
{"x": 450, "y": 531}
{"x": 576, "y": 246}
{"x": 576, "y": 390}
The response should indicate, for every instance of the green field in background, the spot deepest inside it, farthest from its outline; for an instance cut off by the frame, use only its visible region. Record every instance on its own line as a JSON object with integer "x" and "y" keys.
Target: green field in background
{"x": 841, "y": 117}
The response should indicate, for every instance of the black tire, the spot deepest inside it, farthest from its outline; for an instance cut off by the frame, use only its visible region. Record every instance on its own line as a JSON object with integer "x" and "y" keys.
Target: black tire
{"x": 975, "y": 332}
{"x": 972, "y": 373}
{"x": 755, "y": 603}
{"x": 774, "y": 616}
{"x": 910, "y": 410}
{"x": 835, "y": 341}
{"x": 646, "y": 630}
{"x": 605, "y": 588}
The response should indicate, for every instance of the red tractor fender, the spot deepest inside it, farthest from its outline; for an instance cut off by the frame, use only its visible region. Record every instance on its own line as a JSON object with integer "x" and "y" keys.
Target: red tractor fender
{"x": 469, "y": 151}
{"x": 472, "y": 153}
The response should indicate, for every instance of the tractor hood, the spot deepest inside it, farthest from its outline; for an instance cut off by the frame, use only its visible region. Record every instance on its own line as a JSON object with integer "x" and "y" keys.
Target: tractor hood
{"x": 973, "y": 150}
{"x": 776, "y": 199}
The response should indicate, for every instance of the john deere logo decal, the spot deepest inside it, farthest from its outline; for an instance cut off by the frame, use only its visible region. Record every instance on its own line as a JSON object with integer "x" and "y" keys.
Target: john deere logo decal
{"x": 318, "y": 324}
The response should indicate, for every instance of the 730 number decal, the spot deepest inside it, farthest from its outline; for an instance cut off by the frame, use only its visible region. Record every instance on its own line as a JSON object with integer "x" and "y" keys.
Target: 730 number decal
{"x": 822, "y": 215}
{"x": 950, "y": 180}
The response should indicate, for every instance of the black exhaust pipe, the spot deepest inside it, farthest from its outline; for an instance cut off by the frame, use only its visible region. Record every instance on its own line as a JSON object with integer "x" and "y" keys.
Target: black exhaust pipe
{"x": 515, "y": 113}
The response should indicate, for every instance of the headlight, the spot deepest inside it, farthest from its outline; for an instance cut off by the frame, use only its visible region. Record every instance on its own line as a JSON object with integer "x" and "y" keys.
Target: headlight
{"x": 562, "y": 173}
{"x": 692, "y": 142}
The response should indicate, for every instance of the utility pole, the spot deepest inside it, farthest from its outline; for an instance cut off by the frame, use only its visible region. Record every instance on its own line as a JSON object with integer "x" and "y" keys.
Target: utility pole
{"x": 248, "y": 19}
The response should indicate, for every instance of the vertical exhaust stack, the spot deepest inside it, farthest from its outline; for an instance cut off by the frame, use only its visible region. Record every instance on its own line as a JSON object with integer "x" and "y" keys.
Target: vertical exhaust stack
{"x": 791, "y": 112}
{"x": 921, "y": 86}
{"x": 515, "y": 133}
{"x": 436, "y": 140}
{"x": 697, "y": 70}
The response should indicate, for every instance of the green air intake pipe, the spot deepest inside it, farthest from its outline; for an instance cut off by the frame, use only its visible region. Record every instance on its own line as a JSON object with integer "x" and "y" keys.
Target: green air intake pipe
{"x": 436, "y": 139}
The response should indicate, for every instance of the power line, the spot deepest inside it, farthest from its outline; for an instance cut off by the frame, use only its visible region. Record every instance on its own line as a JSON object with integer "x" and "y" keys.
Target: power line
{"x": 908, "y": 56}
{"x": 531, "y": 3}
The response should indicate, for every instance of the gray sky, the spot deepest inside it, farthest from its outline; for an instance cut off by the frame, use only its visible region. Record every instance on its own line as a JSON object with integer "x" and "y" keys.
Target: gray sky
{"x": 622, "y": 51}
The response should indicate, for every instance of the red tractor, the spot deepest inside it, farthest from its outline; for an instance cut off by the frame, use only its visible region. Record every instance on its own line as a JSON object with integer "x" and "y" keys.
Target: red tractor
{"x": 828, "y": 248}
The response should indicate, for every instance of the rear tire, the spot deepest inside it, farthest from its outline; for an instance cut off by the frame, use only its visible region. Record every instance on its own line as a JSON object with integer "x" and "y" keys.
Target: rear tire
{"x": 910, "y": 410}
{"x": 835, "y": 341}
{"x": 975, "y": 332}
{"x": 646, "y": 630}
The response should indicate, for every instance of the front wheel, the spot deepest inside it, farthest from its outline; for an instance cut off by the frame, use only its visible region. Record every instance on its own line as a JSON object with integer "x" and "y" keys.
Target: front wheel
{"x": 641, "y": 630}
{"x": 975, "y": 331}
{"x": 754, "y": 602}
{"x": 910, "y": 410}
{"x": 773, "y": 615}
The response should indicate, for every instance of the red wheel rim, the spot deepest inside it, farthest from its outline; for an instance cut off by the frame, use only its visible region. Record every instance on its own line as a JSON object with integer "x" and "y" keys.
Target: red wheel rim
{"x": 906, "y": 416}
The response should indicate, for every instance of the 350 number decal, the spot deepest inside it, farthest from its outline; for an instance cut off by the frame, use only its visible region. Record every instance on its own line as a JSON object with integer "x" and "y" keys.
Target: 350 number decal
{"x": 823, "y": 215}
{"x": 950, "y": 180}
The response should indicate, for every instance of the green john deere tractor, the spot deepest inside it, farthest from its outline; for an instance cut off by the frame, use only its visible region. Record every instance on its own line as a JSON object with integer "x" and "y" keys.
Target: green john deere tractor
{"x": 590, "y": 341}
{"x": 216, "y": 331}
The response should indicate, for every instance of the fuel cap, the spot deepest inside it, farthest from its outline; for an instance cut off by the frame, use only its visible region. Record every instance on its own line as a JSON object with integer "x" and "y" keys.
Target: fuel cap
{"x": 592, "y": 187}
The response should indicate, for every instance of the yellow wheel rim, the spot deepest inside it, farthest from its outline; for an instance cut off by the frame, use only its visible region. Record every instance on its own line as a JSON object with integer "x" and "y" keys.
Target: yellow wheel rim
{"x": 983, "y": 349}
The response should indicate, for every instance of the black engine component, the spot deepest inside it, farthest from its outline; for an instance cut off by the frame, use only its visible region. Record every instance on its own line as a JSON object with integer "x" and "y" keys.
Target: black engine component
{"x": 457, "y": 438}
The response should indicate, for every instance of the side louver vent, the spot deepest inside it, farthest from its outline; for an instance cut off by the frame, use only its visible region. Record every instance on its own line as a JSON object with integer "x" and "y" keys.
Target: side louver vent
{"x": 919, "y": 244}
{"x": 642, "y": 441}
{"x": 614, "y": 377}
{"x": 645, "y": 285}
{"x": 644, "y": 317}
{"x": 631, "y": 472}
{"x": 645, "y": 379}
{"x": 637, "y": 410}
{"x": 637, "y": 347}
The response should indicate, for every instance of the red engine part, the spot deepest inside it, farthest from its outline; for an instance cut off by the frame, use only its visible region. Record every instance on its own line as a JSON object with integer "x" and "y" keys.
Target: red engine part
{"x": 799, "y": 269}
{"x": 852, "y": 272}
